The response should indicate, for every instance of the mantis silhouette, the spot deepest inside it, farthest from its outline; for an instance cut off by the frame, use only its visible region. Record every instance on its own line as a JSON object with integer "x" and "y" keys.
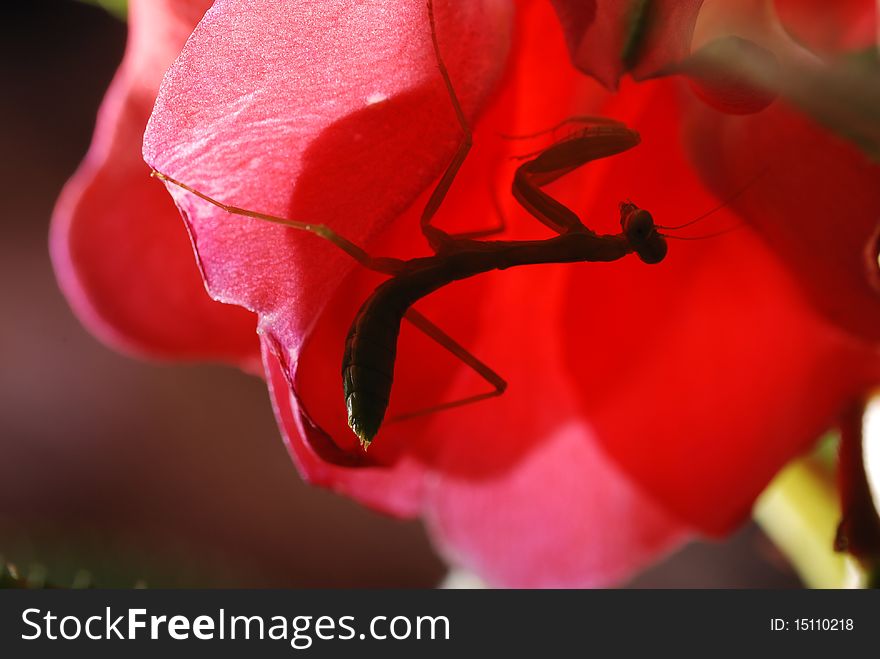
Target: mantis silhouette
{"x": 371, "y": 344}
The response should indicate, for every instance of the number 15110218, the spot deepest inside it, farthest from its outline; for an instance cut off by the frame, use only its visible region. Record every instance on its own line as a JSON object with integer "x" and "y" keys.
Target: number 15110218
{"x": 812, "y": 624}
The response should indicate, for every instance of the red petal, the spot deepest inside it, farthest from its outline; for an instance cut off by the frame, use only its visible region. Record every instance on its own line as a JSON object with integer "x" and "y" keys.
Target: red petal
{"x": 706, "y": 374}
{"x": 522, "y": 494}
{"x": 817, "y": 206}
{"x": 609, "y": 38}
{"x": 396, "y": 491}
{"x": 830, "y": 27}
{"x": 519, "y": 471}
{"x": 122, "y": 256}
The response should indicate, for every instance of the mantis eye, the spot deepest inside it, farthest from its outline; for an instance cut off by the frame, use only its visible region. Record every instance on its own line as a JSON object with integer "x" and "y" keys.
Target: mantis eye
{"x": 652, "y": 250}
{"x": 638, "y": 225}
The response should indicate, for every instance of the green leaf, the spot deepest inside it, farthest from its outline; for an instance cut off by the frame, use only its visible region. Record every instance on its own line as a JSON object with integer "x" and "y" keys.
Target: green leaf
{"x": 118, "y": 8}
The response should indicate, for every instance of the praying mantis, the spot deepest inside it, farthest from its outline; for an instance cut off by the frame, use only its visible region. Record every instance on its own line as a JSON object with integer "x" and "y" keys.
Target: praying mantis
{"x": 371, "y": 344}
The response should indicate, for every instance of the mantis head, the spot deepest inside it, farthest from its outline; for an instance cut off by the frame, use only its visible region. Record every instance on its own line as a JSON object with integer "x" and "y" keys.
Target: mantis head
{"x": 641, "y": 233}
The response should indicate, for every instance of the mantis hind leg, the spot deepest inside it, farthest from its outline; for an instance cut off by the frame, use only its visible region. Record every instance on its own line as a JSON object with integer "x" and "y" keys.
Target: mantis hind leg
{"x": 379, "y": 264}
{"x": 499, "y": 226}
{"x": 600, "y": 137}
{"x": 437, "y": 238}
{"x": 499, "y": 384}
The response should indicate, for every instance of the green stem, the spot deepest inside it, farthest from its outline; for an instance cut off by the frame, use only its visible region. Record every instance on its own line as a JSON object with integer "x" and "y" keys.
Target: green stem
{"x": 800, "y": 512}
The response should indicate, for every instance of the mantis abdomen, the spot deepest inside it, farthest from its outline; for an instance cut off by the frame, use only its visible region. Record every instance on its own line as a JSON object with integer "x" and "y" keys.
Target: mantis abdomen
{"x": 368, "y": 361}
{"x": 371, "y": 344}
{"x": 371, "y": 347}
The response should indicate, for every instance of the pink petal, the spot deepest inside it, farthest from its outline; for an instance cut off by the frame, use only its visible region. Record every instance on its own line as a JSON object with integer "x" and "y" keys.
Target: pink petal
{"x": 830, "y": 27}
{"x": 566, "y": 517}
{"x": 607, "y": 38}
{"x": 121, "y": 254}
{"x": 336, "y": 116}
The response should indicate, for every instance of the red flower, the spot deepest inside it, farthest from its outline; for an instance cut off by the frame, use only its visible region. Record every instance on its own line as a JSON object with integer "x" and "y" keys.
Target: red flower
{"x": 121, "y": 258}
{"x": 645, "y": 402}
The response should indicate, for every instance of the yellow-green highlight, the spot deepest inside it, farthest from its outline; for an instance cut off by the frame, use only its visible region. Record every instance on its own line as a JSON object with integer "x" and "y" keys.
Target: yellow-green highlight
{"x": 800, "y": 511}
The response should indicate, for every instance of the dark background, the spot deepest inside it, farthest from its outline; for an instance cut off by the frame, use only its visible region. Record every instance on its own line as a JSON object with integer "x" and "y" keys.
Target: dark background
{"x": 170, "y": 474}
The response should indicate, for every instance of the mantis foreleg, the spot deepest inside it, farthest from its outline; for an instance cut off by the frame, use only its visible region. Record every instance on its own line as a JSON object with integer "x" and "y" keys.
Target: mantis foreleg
{"x": 561, "y": 158}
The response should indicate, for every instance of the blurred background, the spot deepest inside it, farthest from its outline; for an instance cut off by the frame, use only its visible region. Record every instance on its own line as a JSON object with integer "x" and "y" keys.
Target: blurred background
{"x": 171, "y": 475}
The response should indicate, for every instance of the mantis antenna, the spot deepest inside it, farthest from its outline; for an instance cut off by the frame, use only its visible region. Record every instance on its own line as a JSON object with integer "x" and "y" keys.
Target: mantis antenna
{"x": 754, "y": 179}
